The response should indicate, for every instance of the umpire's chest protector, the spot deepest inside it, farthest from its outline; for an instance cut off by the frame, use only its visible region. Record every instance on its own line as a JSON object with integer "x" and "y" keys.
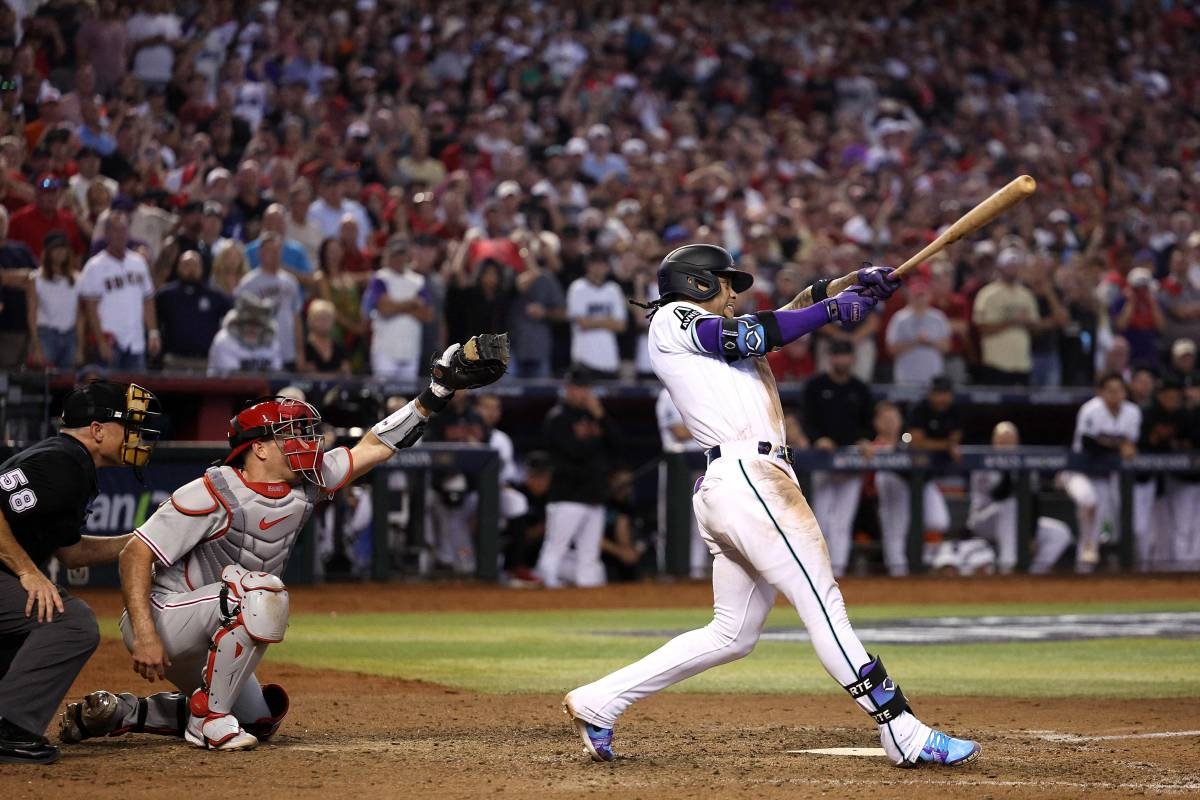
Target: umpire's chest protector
{"x": 263, "y": 523}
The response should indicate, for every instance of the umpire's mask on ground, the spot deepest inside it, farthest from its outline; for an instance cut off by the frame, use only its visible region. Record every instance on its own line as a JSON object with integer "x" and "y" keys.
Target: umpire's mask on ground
{"x": 135, "y": 407}
{"x": 692, "y": 271}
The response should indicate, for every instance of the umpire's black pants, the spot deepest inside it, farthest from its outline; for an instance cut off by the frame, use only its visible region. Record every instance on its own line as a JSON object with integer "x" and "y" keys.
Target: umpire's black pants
{"x": 49, "y": 660}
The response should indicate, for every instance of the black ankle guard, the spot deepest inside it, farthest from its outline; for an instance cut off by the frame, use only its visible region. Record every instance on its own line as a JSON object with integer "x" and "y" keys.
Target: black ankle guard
{"x": 875, "y": 677}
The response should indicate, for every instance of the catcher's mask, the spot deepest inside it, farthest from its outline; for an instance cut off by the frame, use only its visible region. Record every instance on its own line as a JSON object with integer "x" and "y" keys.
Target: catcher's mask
{"x": 135, "y": 407}
{"x": 294, "y": 425}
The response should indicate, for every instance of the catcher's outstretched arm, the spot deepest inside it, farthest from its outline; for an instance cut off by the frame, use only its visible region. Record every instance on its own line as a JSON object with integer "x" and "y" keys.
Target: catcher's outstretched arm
{"x": 482, "y": 360}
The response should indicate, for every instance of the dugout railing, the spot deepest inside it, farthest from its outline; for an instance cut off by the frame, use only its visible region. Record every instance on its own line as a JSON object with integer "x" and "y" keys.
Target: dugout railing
{"x": 919, "y": 468}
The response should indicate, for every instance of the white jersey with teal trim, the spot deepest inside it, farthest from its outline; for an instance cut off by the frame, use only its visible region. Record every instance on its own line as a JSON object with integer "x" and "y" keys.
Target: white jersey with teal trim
{"x": 719, "y": 401}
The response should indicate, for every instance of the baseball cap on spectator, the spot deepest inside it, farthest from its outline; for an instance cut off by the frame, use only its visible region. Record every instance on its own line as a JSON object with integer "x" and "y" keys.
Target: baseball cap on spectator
{"x": 87, "y": 151}
{"x": 49, "y": 182}
{"x": 365, "y": 71}
{"x": 840, "y": 347}
{"x": 55, "y": 238}
{"x": 538, "y": 461}
{"x": 397, "y": 244}
{"x": 1183, "y": 347}
{"x": 358, "y": 130}
{"x": 628, "y": 206}
{"x": 220, "y": 173}
{"x": 1058, "y": 215}
{"x": 436, "y": 107}
{"x": 633, "y": 147}
{"x": 941, "y": 383}
{"x": 1171, "y": 380}
{"x": 48, "y": 94}
{"x": 495, "y": 113}
{"x": 508, "y": 189}
{"x": 1140, "y": 277}
{"x": 579, "y": 375}
{"x": 576, "y": 147}
{"x": 193, "y": 207}
{"x": 984, "y": 248}
{"x": 599, "y": 131}
{"x": 328, "y": 73}
{"x": 426, "y": 240}
{"x": 1010, "y": 257}
{"x": 213, "y": 209}
{"x": 687, "y": 143}
{"x": 553, "y": 151}
{"x": 58, "y": 134}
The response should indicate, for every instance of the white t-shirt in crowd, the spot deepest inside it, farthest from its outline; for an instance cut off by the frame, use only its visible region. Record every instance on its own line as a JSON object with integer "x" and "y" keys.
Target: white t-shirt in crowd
{"x": 283, "y": 291}
{"x": 397, "y": 337}
{"x": 227, "y": 354}
{"x": 58, "y": 303}
{"x": 595, "y": 348}
{"x": 120, "y": 285}
{"x": 153, "y": 64}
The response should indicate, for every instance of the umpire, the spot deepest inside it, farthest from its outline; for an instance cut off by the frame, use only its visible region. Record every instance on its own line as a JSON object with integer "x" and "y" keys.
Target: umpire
{"x": 46, "y": 491}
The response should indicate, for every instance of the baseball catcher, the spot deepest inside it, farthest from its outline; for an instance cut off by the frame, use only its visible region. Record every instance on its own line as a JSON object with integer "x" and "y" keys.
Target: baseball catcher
{"x": 201, "y": 577}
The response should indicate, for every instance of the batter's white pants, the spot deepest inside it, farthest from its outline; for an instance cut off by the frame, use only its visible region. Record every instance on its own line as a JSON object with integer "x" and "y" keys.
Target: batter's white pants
{"x": 895, "y": 517}
{"x": 764, "y": 538}
{"x": 186, "y": 622}
{"x": 835, "y": 502}
{"x": 580, "y": 524}
{"x": 997, "y": 523}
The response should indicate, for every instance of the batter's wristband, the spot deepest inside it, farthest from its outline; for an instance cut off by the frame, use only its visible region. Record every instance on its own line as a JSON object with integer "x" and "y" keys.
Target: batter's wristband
{"x": 820, "y": 289}
{"x": 431, "y": 402}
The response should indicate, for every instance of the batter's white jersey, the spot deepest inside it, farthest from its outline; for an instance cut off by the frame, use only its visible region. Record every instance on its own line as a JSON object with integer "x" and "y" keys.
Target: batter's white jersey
{"x": 1094, "y": 419}
{"x": 718, "y": 401}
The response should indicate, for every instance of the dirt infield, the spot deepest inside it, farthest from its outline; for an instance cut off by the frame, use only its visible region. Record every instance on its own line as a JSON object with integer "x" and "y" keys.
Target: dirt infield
{"x": 361, "y": 736}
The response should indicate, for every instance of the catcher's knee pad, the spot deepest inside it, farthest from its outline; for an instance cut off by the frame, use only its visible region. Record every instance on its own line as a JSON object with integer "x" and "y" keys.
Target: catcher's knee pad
{"x": 258, "y": 600}
{"x": 889, "y": 702}
{"x": 278, "y": 703}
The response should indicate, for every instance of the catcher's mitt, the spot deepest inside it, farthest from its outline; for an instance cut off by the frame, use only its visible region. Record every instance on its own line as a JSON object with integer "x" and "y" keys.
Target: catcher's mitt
{"x": 482, "y": 360}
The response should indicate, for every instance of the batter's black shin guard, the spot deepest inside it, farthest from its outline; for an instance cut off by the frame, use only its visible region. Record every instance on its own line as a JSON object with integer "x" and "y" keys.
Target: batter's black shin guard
{"x": 885, "y": 695}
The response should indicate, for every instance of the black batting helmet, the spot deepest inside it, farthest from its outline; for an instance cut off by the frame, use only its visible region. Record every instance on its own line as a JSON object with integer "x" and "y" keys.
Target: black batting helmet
{"x": 692, "y": 271}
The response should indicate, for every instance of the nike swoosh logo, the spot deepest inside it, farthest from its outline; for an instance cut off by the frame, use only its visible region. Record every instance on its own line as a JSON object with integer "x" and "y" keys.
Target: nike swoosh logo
{"x": 264, "y": 525}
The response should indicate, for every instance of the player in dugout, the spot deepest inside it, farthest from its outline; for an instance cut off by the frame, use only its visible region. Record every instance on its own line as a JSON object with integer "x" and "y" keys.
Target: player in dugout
{"x": 45, "y": 493}
{"x": 761, "y": 531}
{"x": 201, "y": 577}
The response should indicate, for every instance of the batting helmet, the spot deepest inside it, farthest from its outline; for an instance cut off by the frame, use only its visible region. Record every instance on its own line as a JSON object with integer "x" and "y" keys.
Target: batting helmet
{"x": 692, "y": 271}
{"x": 293, "y": 424}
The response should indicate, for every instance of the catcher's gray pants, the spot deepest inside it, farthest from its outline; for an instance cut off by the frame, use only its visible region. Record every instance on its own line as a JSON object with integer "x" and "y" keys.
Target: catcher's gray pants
{"x": 50, "y": 659}
{"x": 186, "y": 622}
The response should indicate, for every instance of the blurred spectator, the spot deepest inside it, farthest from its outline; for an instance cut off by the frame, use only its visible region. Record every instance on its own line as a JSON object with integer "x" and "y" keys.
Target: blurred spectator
{"x": 1116, "y": 359}
{"x": 478, "y": 305}
{"x": 793, "y": 361}
{"x": 1108, "y": 425}
{"x": 246, "y": 341}
{"x": 676, "y": 438}
{"x": 579, "y": 436}
{"x": 295, "y": 257}
{"x": 1141, "y": 386}
{"x": 1179, "y": 296}
{"x": 918, "y": 336}
{"x": 323, "y": 353}
{"x": 453, "y": 496}
{"x": 55, "y": 326}
{"x": 154, "y": 35}
{"x": 189, "y": 314}
{"x": 993, "y": 514}
{"x": 1137, "y": 315}
{"x": 395, "y": 304}
{"x": 118, "y": 301}
{"x": 1182, "y": 368}
{"x": 490, "y": 409}
{"x": 270, "y": 282}
{"x": 31, "y": 224}
{"x": 331, "y": 205}
{"x": 1165, "y": 506}
{"x": 624, "y": 543}
{"x": 88, "y": 162}
{"x": 1005, "y": 312}
{"x": 1046, "y": 343}
{"x": 958, "y": 314}
{"x": 299, "y": 227}
{"x": 598, "y": 312}
{"x": 16, "y": 265}
{"x": 895, "y": 506}
{"x": 427, "y": 262}
{"x": 524, "y": 533}
{"x": 344, "y": 291}
{"x": 837, "y": 413}
{"x": 228, "y": 269}
{"x": 538, "y": 302}
{"x": 102, "y": 41}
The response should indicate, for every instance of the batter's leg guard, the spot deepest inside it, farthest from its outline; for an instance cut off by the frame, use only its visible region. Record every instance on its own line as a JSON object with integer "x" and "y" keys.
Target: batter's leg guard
{"x": 277, "y": 701}
{"x": 254, "y": 606}
{"x": 884, "y": 695}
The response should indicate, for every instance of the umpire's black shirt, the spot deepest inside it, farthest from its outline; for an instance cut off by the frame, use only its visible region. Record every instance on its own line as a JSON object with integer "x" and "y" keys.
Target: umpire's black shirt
{"x": 45, "y": 492}
{"x": 845, "y": 412}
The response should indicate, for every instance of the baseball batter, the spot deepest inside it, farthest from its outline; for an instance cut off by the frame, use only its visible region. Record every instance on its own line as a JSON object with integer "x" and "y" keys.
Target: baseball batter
{"x": 201, "y": 577}
{"x": 760, "y": 529}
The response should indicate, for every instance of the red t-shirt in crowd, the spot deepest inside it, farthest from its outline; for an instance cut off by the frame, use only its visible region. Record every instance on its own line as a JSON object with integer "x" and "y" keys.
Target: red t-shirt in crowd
{"x": 30, "y": 225}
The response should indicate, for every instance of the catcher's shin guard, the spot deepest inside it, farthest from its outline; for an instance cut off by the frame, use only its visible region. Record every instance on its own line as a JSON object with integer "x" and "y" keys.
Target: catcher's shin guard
{"x": 278, "y": 703}
{"x": 255, "y": 608}
{"x": 875, "y": 690}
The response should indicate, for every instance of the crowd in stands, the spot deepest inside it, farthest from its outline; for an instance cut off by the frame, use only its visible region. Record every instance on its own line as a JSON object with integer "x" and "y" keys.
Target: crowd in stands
{"x": 435, "y": 170}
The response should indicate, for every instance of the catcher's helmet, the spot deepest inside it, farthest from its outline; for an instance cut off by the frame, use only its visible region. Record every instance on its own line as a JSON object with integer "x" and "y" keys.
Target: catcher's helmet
{"x": 692, "y": 270}
{"x": 293, "y": 424}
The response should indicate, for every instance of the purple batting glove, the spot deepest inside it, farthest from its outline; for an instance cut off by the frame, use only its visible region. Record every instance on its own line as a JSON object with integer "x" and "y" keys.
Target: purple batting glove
{"x": 877, "y": 282}
{"x": 851, "y": 306}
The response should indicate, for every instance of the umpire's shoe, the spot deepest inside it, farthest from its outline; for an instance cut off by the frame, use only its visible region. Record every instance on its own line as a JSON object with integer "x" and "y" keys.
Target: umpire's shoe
{"x": 94, "y": 715}
{"x": 19, "y": 746}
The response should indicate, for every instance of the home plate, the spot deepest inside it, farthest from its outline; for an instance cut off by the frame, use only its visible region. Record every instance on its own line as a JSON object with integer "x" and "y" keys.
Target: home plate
{"x": 844, "y": 751}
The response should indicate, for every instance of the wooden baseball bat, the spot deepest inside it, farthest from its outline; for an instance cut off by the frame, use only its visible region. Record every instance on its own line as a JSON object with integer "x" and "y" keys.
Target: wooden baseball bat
{"x": 1016, "y": 191}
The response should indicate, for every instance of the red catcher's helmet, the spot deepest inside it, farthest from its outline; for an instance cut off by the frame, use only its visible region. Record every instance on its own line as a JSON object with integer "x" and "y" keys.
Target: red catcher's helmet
{"x": 293, "y": 424}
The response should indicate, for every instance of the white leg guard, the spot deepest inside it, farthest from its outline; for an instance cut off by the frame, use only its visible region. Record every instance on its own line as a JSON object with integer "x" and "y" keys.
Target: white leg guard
{"x": 255, "y": 608}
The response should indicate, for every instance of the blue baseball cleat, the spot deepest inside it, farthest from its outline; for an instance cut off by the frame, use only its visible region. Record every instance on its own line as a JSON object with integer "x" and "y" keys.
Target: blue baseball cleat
{"x": 597, "y": 742}
{"x": 943, "y": 749}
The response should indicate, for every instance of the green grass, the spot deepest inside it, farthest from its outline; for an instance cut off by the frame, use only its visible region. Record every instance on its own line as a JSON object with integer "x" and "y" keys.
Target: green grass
{"x": 553, "y": 651}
